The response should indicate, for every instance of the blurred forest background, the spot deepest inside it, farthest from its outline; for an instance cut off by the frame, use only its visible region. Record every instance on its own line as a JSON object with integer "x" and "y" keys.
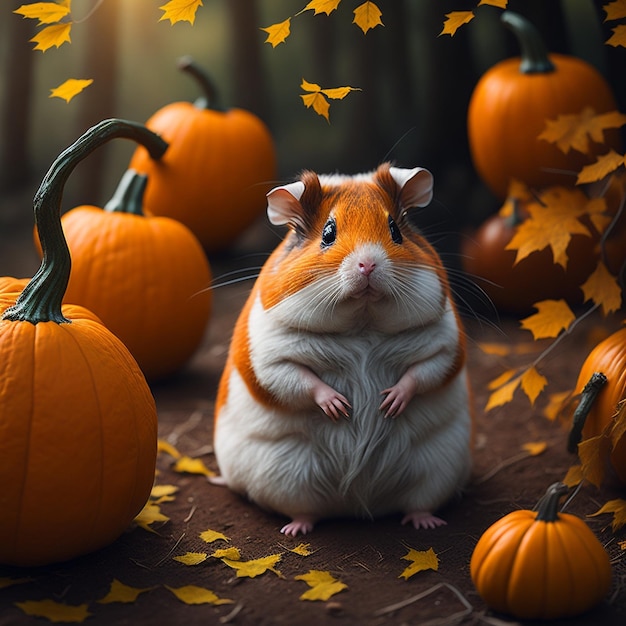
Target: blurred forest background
{"x": 412, "y": 108}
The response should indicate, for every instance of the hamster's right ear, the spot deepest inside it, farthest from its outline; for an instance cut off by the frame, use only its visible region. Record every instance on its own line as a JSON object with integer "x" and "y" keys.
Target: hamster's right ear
{"x": 283, "y": 205}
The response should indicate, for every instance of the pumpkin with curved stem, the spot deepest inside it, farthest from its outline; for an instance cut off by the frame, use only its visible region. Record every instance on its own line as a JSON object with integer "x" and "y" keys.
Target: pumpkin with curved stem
{"x": 513, "y": 100}
{"x": 217, "y": 170}
{"x": 78, "y": 424}
{"x": 541, "y": 564}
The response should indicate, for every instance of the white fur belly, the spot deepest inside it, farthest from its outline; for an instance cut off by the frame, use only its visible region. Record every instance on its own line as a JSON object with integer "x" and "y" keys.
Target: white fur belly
{"x": 300, "y": 462}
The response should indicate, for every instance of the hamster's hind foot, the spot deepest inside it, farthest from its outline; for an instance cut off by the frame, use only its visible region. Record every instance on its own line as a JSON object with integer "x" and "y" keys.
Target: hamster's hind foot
{"x": 423, "y": 519}
{"x": 299, "y": 524}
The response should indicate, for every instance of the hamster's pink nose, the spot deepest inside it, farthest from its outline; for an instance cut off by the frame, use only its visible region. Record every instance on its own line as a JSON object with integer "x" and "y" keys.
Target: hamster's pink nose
{"x": 366, "y": 267}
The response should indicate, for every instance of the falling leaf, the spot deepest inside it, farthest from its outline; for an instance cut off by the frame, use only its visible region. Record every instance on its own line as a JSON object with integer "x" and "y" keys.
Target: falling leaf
{"x": 316, "y": 97}
{"x": 321, "y": 6}
{"x": 192, "y": 558}
{"x": 231, "y": 554}
{"x": 150, "y": 514}
{"x": 55, "y": 35}
{"x": 500, "y": 380}
{"x": 501, "y": 4}
{"x": 168, "y": 448}
{"x": 615, "y": 10}
{"x": 55, "y": 611}
{"x": 255, "y": 567}
{"x": 535, "y": 448}
{"x": 503, "y": 394}
{"x": 119, "y": 592}
{"x": 70, "y": 88}
{"x": 420, "y": 560}
{"x": 303, "y": 549}
{"x": 618, "y": 508}
{"x": 618, "y": 38}
{"x": 190, "y": 594}
{"x": 551, "y": 318}
{"x": 277, "y": 33}
{"x": 575, "y": 130}
{"x": 7, "y": 581}
{"x": 556, "y": 402}
{"x": 367, "y": 16}
{"x": 603, "y": 288}
{"x": 602, "y": 167}
{"x": 322, "y": 585}
{"x": 180, "y": 11}
{"x": 533, "y": 383}
{"x": 45, "y": 12}
{"x": 189, "y": 465}
{"x": 495, "y": 349}
{"x": 455, "y": 20}
{"x": 209, "y": 536}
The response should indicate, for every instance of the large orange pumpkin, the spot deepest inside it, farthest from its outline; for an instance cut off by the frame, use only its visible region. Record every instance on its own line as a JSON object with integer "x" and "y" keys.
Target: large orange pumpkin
{"x": 513, "y": 100}
{"x": 78, "y": 424}
{"x": 217, "y": 170}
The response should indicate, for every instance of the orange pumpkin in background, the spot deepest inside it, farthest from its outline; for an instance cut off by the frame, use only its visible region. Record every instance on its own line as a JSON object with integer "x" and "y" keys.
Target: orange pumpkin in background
{"x": 513, "y": 100}
{"x": 217, "y": 170}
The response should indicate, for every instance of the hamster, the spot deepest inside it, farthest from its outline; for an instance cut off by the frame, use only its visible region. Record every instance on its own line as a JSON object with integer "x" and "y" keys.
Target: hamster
{"x": 345, "y": 390}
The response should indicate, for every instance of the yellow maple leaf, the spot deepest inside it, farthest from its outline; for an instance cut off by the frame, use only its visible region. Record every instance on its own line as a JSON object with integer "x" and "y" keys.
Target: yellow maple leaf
{"x": 420, "y": 561}
{"x": 55, "y": 35}
{"x": 555, "y": 405}
{"x": 618, "y": 508}
{"x": 321, "y": 6}
{"x": 603, "y": 288}
{"x": 552, "y": 222}
{"x": 55, "y": 611}
{"x": 603, "y": 166}
{"x": 323, "y": 585}
{"x": 191, "y": 558}
{"x": 277, "y": 33}
{"x": 209, "y": 536}
{"x": 232, "y": 554}
{"x": 503, "y": 394}
{"x": 303, "y": 549}
{"x": 180, "y": 11}
{"x": 533, "y": 383}
{"x": 501, "y": 4}
{"x": 551, "y": 318}
{"x": 618, "y": 38}
{"x": 535, "y": 448}
{"x": 45, "y": 12}
{"x": 455, "y": 20}
{"x": 500, "y": 380}
{"x": 119, "y": 592}
{"x": 188, "y": 465}
{"x": 150, "y": 514}
{"x": 615, "y": 10}
{"x": 367, "y": 16}
{"x": 191, "y": 594}
{"x": 70, "y": 88}
{"x": 316, "y": 97}
{"x": 168, "y": 448}
{"x": 255, "y": 567}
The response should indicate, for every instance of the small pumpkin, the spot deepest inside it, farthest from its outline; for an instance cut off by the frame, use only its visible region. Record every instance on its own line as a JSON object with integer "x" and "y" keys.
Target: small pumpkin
{"x": 217, "y": 170}
{"x": 511, "y": 103}
{"x": 602, "y": 387}
{"x": 147, "y": 278}
{"x": 78, "y": 424}
{"x": 541, "y": 564}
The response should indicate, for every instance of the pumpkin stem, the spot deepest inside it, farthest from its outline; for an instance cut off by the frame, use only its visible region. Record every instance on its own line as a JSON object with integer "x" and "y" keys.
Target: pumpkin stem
{"x": 548, "y": 507}
{"x": 587, "y": 398}
{"x": 533, "y": 50}
{"x": 209, "y": 99}
{"x": 128, "y": 197}
{"x": 41, "y": 299}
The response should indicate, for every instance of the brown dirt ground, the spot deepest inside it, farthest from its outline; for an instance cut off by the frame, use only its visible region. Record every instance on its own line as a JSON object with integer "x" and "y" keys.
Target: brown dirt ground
{"x": 365, "y": 555}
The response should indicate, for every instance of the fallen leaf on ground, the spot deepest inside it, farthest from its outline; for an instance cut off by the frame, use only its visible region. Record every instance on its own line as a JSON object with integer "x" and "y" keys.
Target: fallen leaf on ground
{"x": 618, "y": 508}
{"x": 322, "y": 585}
{"x": 192, "y": 558}
{"x": 188, "y": 465}
{"x": 255, "y": 567}
{"x": 420, "y": 561}
{"x": 119, "y": 592}
{"x": 209, "y": 536}
{"x": 191, "y": 594}
{"x": 150, "y": 514}
{"x": 55, "y": 611}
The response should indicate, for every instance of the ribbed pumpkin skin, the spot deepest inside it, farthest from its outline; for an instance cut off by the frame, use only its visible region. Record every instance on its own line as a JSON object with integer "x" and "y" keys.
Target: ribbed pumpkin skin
{"x": 540, "y": 570}
{"x": 609, "y": 358}
{"x": 78, "y": 435}
{"x": 215, "y": 174}
{"x": 508, "y": 110}
{"x": 146, "y": 278}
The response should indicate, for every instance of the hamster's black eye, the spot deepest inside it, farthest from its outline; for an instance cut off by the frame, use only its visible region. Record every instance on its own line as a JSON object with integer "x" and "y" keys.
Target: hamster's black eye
{"x": 396, "y": 235}
{"x": 329, "y": 233}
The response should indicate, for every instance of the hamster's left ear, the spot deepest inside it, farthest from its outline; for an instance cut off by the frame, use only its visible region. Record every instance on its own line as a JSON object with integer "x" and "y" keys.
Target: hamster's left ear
{"x": 416, "y": 186}
{"x": 283, "y": 204}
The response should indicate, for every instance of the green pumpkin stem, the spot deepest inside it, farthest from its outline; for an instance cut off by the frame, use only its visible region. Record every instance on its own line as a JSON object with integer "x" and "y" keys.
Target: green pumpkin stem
{"x": 587, "y": 398}
{"x": 533, "y": 50}
{"x": 209, "y": 99}
{"x": 41, "y": 299}
{"x": 548, "y": 507}
{"x": 128, "y": 197}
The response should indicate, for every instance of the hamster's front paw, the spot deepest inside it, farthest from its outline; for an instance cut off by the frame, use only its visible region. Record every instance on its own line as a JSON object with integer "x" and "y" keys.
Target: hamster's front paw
{"x": 300, "y": 524}
{"x": 398, "y": 396}
{"x": 423, "y": 519}
{"x": 334, "y": 404}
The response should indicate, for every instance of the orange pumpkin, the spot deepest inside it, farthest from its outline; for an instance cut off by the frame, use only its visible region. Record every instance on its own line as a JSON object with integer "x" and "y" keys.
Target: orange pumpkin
{"x": 78, "y": 424}
{"x": 217, "y": 170}
{"x": 513, "y": 100}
